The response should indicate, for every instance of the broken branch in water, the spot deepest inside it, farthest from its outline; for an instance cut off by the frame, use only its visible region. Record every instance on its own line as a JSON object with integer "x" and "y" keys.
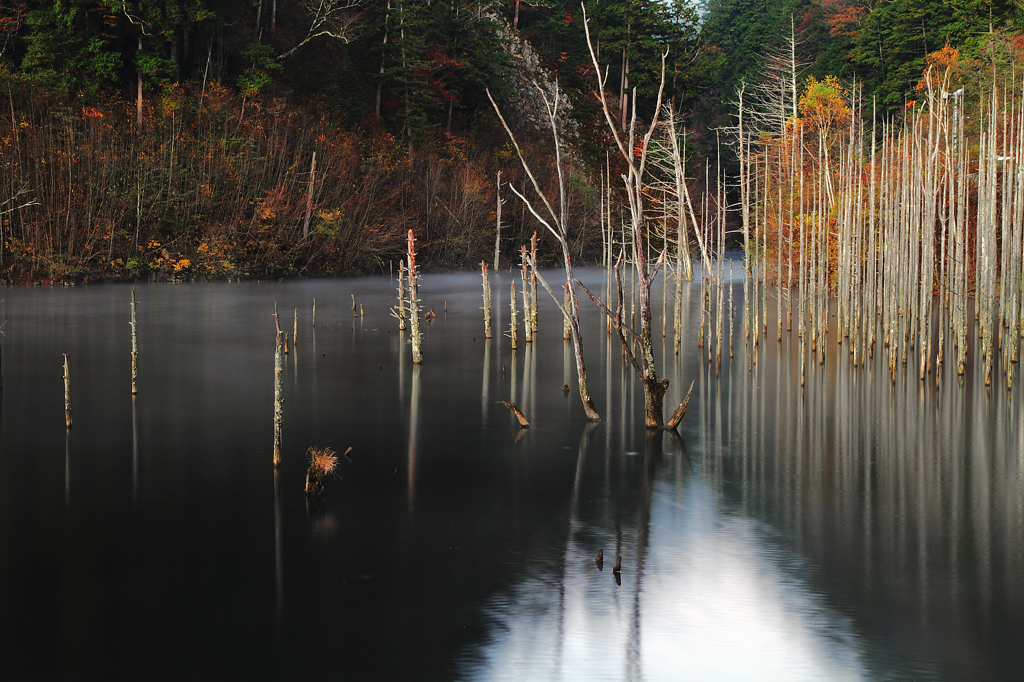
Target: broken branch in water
{"x": 523, "y": 421}
{"x": 677, "y": 416}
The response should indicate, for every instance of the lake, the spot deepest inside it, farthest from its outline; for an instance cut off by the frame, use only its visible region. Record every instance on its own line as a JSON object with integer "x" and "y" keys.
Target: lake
{"x": 852, "y": 529}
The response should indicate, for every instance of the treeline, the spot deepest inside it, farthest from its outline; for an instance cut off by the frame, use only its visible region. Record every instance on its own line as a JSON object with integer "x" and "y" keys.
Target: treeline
{"x": 176, "y": 138}
{"x": 881, "y": 45}
{"x": 905, "y": 232}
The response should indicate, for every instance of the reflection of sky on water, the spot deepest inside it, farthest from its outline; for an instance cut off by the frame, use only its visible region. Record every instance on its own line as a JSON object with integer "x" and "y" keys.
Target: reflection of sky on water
{"x": 715, "y": 602}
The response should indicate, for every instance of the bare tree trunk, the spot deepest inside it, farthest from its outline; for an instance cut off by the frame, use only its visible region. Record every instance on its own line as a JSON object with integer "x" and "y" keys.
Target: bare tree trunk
{"x": 380, "y": 73}
{"x": 557, "y": 225}
{"x": 514, "y": 322}
{"x": 414, "y": 304}
{"x": 487, "y": 300}
{"x": 135, "y": 349}
{"x": 309, "y": 197}
{"x": 138, "y": 90}
{"x": 497, "y": 222}
{"x": 644, "y": 365}
{"x": 67, "y": 393}
{"x": 533, "y": 281}
{"x": 278, "y": 391}
{"x": 527, "y": 306}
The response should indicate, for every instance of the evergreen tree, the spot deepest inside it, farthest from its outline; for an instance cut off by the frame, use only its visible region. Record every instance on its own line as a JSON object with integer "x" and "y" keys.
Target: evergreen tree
{"x": 73, "y": 45}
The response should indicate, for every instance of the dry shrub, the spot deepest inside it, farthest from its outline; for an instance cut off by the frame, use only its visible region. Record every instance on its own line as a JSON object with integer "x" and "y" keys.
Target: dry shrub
{"x": 322, "y": 462}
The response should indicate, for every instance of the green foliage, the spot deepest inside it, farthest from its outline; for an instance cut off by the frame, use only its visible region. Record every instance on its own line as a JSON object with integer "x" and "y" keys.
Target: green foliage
{"x": 257, "y": 77}
{"x": 69, "y": 44}
{"x": 889, "y": 51}
{"x": 156, "y": 69}
{"x": 435, "y": 64}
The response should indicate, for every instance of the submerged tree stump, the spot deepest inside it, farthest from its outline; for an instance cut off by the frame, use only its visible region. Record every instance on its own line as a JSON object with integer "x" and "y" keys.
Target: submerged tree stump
{"x": 322, "y": 463}
{"x": 314, "y": 487}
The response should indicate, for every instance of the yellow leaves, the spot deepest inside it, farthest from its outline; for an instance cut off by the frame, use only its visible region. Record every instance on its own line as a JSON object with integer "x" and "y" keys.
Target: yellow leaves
{"x": 823, "y": 104}
{"x": 182, "y": 264}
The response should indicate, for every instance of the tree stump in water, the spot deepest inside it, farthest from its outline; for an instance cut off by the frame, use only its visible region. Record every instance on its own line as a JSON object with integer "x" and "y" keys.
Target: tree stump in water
{"x": 314, "y": 487}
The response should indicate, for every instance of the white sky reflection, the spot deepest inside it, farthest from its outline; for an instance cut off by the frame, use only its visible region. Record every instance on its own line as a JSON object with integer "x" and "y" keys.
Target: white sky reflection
{"x": 714, "y": 603}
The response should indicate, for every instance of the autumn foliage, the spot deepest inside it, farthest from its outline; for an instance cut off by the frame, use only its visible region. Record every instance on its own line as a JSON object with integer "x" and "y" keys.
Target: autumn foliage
{"x": 201, "y": 191}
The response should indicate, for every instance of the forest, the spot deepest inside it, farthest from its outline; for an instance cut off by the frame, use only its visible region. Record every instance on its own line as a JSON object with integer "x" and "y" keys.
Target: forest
{"x": 227, "y": 139}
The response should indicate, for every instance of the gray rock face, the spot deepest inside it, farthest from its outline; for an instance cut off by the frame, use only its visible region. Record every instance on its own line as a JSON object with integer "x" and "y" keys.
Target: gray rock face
{"x": 530, "y": 80}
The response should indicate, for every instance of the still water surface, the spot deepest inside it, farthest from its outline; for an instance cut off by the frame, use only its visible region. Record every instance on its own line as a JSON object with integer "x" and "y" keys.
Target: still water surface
{"x": 851, "y": 530}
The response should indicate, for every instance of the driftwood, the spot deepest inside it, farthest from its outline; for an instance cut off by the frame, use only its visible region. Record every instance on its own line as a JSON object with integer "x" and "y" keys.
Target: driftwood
{"x": 523, "y": 421}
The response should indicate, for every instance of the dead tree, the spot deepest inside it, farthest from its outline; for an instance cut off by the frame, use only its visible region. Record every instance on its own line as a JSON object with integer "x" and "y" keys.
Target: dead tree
{"x": 556, "y": 223}
{"x": 337, "y": 19}
{"x": 638, "y": 348}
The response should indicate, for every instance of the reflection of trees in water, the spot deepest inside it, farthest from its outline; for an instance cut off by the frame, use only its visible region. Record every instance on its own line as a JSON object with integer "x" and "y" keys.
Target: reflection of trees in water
{"x": 920, "y": 485}
{"x": 414, "y": 416}
{"x": 902, "y": 502}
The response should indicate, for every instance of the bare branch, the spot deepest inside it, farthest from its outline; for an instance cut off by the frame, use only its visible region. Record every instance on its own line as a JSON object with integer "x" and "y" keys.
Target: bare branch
{"x": 617, "y": 324}
{"x": 338, "y": 19}
{"x": 536, "y": 215}
{"x": 677, "y": 416}
{"x": 12, "y": 209}
{"x": 529, "y": 173}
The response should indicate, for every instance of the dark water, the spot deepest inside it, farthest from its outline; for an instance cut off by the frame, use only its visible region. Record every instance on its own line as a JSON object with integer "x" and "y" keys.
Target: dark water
{"x": 850, "y": 530}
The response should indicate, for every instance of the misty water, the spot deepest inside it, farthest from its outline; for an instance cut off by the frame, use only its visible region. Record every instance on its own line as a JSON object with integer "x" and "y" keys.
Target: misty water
{"x": 850, "y": 530}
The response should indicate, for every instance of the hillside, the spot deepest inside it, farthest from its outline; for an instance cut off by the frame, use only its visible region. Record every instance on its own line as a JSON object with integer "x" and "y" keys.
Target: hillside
{"x": 279, "y": 138}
